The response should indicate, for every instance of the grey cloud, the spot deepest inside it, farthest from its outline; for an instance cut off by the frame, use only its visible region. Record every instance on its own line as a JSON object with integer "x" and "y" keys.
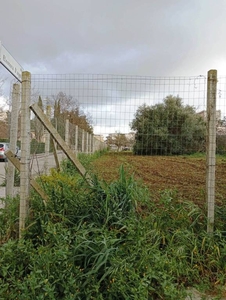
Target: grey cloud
{"x": 121, "y": 37}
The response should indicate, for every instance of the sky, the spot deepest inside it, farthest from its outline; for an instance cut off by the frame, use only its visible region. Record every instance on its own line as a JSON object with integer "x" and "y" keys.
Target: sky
{"x": 134, "y": 37}
{"x": 119, "y": 37}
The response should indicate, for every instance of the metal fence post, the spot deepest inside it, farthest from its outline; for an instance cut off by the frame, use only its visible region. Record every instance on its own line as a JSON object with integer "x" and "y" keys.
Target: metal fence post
{"x": 13, "y": 139}
{"x": 211, "y": 147}
{"x": 25, "y": 150}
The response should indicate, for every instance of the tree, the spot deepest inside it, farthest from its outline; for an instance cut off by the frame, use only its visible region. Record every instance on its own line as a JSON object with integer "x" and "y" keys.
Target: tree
{"x": 117, "y": 139}
{"x": 65, "y": 107}
{"x": 4, "y": 114}
{"x": 37, "y": 125}
{"x": 168, "y": 128}
{"x": 4, "y": 132}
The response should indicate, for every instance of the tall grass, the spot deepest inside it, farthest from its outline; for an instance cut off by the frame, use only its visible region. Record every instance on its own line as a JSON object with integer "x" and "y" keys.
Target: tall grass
{"x": 108, "y": 241}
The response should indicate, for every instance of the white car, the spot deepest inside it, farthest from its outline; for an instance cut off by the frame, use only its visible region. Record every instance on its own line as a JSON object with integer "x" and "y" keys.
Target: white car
{"x": 3, "y": 147}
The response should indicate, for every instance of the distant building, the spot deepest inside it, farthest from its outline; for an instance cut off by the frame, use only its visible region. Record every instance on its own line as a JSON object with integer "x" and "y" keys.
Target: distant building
{"x": 221, "y": 130}
{"x": 99, "y": 137}
{"x": 203, "y": 114}
{"x": 3, "y": 115}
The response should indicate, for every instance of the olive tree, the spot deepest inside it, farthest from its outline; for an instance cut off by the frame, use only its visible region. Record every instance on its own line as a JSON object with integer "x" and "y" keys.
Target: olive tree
{"x": 168, "y": 128}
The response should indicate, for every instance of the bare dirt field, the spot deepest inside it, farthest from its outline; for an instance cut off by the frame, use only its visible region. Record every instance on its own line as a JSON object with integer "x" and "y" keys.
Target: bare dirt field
{"x": 185, "y": 174}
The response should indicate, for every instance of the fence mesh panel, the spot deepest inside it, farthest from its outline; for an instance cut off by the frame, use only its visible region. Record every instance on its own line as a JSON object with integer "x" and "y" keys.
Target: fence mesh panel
{"x": 108, "y": 103}
{"x": 221, "y": 116}
{"x": 149, "y": 115}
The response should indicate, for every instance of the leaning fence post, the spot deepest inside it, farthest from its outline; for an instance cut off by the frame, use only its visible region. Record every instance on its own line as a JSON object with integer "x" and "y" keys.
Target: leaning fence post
{"x": 25, "y": 150}
{"x": 13, "y": 138}
{"x": 211, "y": 147}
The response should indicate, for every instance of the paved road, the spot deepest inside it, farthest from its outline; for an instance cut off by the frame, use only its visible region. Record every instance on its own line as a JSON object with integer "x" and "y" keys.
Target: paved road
{"x": 39, "y": 164}
{"x": 3, "y": 166}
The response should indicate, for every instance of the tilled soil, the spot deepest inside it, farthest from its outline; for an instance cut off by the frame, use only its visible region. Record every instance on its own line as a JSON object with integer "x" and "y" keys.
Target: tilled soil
{"x": 186, "y": 175}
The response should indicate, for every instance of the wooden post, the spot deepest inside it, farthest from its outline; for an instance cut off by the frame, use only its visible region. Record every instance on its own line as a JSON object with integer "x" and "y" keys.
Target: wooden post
{"x": 211, "y": 147}
{"x": 25, "y": 150}
{"x": 13, "y": 139}
{"x": 55, "y": 155}
{"x": 33, "y": 183}
{"x": 55, "y": 135}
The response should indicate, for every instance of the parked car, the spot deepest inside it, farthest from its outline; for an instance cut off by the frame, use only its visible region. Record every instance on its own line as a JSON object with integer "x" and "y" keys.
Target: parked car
{"x": 3, "y": 148}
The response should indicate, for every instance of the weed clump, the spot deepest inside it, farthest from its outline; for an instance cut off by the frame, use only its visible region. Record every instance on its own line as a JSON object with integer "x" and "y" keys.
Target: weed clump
{"x": 108, "y": 241}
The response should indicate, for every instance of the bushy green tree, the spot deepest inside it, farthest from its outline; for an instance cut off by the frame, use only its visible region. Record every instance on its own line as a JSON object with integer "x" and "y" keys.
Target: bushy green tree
{"x": 168, "y": 128}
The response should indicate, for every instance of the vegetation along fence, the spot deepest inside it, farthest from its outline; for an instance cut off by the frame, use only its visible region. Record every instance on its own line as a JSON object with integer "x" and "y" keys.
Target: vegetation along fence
{"x": 146, "y": 115}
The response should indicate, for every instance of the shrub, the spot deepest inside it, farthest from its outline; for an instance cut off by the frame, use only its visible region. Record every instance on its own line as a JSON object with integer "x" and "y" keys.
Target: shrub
{"x": 168, "y": 128}
{"x": 220, "y": 144}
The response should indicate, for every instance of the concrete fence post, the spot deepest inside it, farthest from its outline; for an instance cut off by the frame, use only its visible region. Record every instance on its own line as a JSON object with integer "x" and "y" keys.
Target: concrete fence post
{"x": 76, "y": 140}
{"x": 13, "y": 139}
{"x": 83, "y": 140}
{"x": 47, "y": 141}
{"x": 67, "y": 138}
{"x": 87, "y": 142}
{"x": 25, "y": 150}
{"x": 92, "y": 143}
{"x": 211, "y": 147}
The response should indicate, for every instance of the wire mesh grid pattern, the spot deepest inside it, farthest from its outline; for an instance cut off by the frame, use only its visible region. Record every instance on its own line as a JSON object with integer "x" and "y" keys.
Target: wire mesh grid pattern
{"x": 160, "y": 116}
{"x": 110, "y": 102}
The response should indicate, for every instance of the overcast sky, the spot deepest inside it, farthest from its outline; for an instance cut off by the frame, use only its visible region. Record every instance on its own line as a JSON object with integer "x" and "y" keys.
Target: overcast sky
{"x": 135, "y": 37}
{"x": 121, "y": 37}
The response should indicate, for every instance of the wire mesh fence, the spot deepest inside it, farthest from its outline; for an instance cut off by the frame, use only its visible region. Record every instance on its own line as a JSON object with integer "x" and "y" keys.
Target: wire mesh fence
{"x": 148, "y": 115}
{"x": 221, "y": 116}
{"x": 107, "y": 105}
